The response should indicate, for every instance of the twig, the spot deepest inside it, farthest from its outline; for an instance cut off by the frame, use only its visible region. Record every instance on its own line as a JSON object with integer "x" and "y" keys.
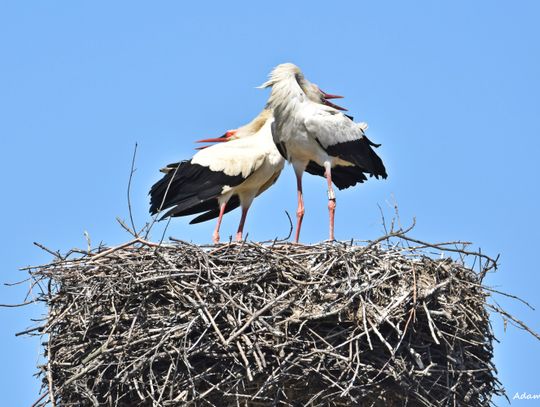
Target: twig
{"x": 55, "y": 254}
{"x": 260, "y": 312}
{"x": 131, "y": 172}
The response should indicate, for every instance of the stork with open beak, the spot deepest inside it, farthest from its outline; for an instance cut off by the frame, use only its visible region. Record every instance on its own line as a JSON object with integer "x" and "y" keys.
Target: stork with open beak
{"x": 313, "y": 92}
{"x": 241, "y": 165}
{"x": 220, "y": 178}
{"x": 318, "y": 138}
{"x": 246, "y": 130}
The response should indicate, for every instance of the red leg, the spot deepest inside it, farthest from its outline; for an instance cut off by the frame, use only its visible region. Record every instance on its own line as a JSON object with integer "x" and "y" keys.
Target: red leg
{"x": 331, "y": 197}
{"x": 215, "y": 235}
{"x": 241, "y": 225}
{"x": 300, "y": 210}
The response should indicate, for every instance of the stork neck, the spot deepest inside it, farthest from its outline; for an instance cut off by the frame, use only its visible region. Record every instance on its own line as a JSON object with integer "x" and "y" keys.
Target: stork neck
{"x": 255, "y": 125}
{"x": 286, "y": 96}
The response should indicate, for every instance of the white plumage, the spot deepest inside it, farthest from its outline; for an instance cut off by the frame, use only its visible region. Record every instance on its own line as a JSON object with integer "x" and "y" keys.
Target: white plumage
{"x": 318, "y": 138}
{"x": 225, "y": 175}
{"x": 221, "y": 177}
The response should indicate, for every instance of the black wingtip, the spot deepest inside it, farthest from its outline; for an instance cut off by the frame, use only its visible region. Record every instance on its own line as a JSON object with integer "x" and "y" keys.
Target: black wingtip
{"x": 371, "y": 143}
{"x": 360, "y": 153}
{"x": 233, "y": 203}
{"x": 188, "y": 189}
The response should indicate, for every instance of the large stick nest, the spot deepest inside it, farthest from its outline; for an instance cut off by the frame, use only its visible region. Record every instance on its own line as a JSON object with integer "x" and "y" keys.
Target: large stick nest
{"x": 382, "y": 324}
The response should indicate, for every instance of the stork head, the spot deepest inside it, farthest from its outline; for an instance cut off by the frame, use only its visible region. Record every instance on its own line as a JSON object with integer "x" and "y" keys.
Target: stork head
{"x": 229, "y": 135}
{"x": 281, "y": 72}
{"x": 316, "y": 94}
{"x": 313, "y": 92}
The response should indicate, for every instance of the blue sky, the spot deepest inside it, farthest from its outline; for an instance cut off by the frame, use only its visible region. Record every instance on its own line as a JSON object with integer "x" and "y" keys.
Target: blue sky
{"x": 451, "y": 91}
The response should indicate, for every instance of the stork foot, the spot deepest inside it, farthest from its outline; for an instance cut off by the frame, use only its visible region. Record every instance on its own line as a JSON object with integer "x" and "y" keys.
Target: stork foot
{"x": 215, "y": 238}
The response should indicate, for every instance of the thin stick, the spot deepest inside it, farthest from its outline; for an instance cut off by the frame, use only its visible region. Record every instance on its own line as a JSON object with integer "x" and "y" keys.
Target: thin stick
{"x": 131, "y": 172}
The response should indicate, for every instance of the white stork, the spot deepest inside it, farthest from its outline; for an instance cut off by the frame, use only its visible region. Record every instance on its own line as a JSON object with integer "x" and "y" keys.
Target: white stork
{"x": 220, "y": 178}
{"x": 318, "y": 138}
{"x": 223, "y": 176}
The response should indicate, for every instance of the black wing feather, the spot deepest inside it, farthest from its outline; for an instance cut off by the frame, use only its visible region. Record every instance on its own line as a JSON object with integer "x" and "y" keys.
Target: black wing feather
{"x": 360, "y": 153}
{"x": 233, "y": 203}
{"x": 342, "y": 177}
{"x": 188, "y": 189}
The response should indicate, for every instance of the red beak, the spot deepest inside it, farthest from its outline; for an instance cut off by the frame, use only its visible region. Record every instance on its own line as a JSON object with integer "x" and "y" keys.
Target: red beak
{"x": 330, "y": 96}
{"x": 213, "y": 140}
{"x": 328, "y": 103}
{"x": 221, "y": 139}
